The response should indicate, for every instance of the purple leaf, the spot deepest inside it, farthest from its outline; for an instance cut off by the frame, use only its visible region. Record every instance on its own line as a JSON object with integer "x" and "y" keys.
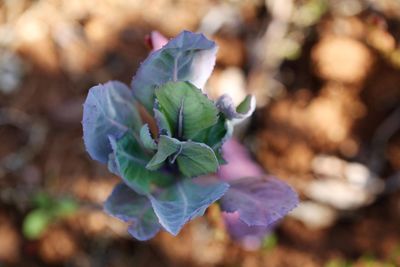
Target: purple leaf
{"x": 250, "y": 237}
{"x": 259, "y": 201}
{"x": 251, "y": 204}
{"x": 128, "y": 206}
{"x": 184, "y": 201}
{"x": 108, "y": 111}
{"x": 239, "y": 161}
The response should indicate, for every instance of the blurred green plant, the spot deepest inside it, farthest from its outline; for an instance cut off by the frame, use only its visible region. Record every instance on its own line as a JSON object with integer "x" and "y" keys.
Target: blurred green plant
{"x": 270, "y": 242}
{"x": 369, "y": 260}
{"x": 305, "y": 15}
{"x": 310, "y": 12}
{"x": 47, "y": 210}
{"x": 366, "y": 260}
{"x": 395, "y": 255}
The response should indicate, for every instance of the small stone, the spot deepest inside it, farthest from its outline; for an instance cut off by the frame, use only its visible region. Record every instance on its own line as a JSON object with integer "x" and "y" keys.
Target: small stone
{"x": 314, "y": 215}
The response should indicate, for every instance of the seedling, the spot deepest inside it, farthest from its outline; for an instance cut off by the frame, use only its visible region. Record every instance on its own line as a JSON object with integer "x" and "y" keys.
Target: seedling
{"x": 163, "y": 136}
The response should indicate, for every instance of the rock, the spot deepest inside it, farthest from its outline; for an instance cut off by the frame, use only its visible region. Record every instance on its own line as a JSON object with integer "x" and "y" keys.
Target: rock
{"x": 338, "y": 194}
{"x": 314, "y": 215}
{"x": 343, "y": 185}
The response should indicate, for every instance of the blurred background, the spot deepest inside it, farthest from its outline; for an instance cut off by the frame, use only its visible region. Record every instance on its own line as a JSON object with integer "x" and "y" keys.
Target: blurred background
{"x": 326, "y": 74}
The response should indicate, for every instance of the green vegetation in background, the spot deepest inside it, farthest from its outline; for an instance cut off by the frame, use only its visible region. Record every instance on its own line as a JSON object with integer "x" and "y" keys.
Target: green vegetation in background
{"x": 270, "y": 242}
{"x": 47, "y": 210}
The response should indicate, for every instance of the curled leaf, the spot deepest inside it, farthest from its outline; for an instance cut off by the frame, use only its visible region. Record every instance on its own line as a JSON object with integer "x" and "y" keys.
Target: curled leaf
{"x": 193, "y": 158}
{"x": 166, "y": 147}
{"x": 187, "y": 57}
{"x": 146, "y": 138}
{"x": 242, "y": 111}
{"x": 162, "y": 123}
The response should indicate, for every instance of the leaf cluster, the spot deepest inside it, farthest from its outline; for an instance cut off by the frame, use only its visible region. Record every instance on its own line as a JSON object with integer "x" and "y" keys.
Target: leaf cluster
{"x": 163, "y": 136}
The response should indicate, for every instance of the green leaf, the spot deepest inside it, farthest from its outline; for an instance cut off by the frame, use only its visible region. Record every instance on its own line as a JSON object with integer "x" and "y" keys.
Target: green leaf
{"x": 246, "y": 105}
{"x": 64, "y": 207}
{"x": 42, "y": 200}
{"x": 193, "y": 158}
{"x": 196, "y": 159}
{"x": 166, "y": 147}
{"x": 35, "y": 223}
{"x": 187, "y": 110}
{"x": 216, "y": 135}
{"x": 131, "y": 161}
{"x": 270, "y": 241}
{"x": 146, "y": 138}
{"x": 162, "y": 123}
